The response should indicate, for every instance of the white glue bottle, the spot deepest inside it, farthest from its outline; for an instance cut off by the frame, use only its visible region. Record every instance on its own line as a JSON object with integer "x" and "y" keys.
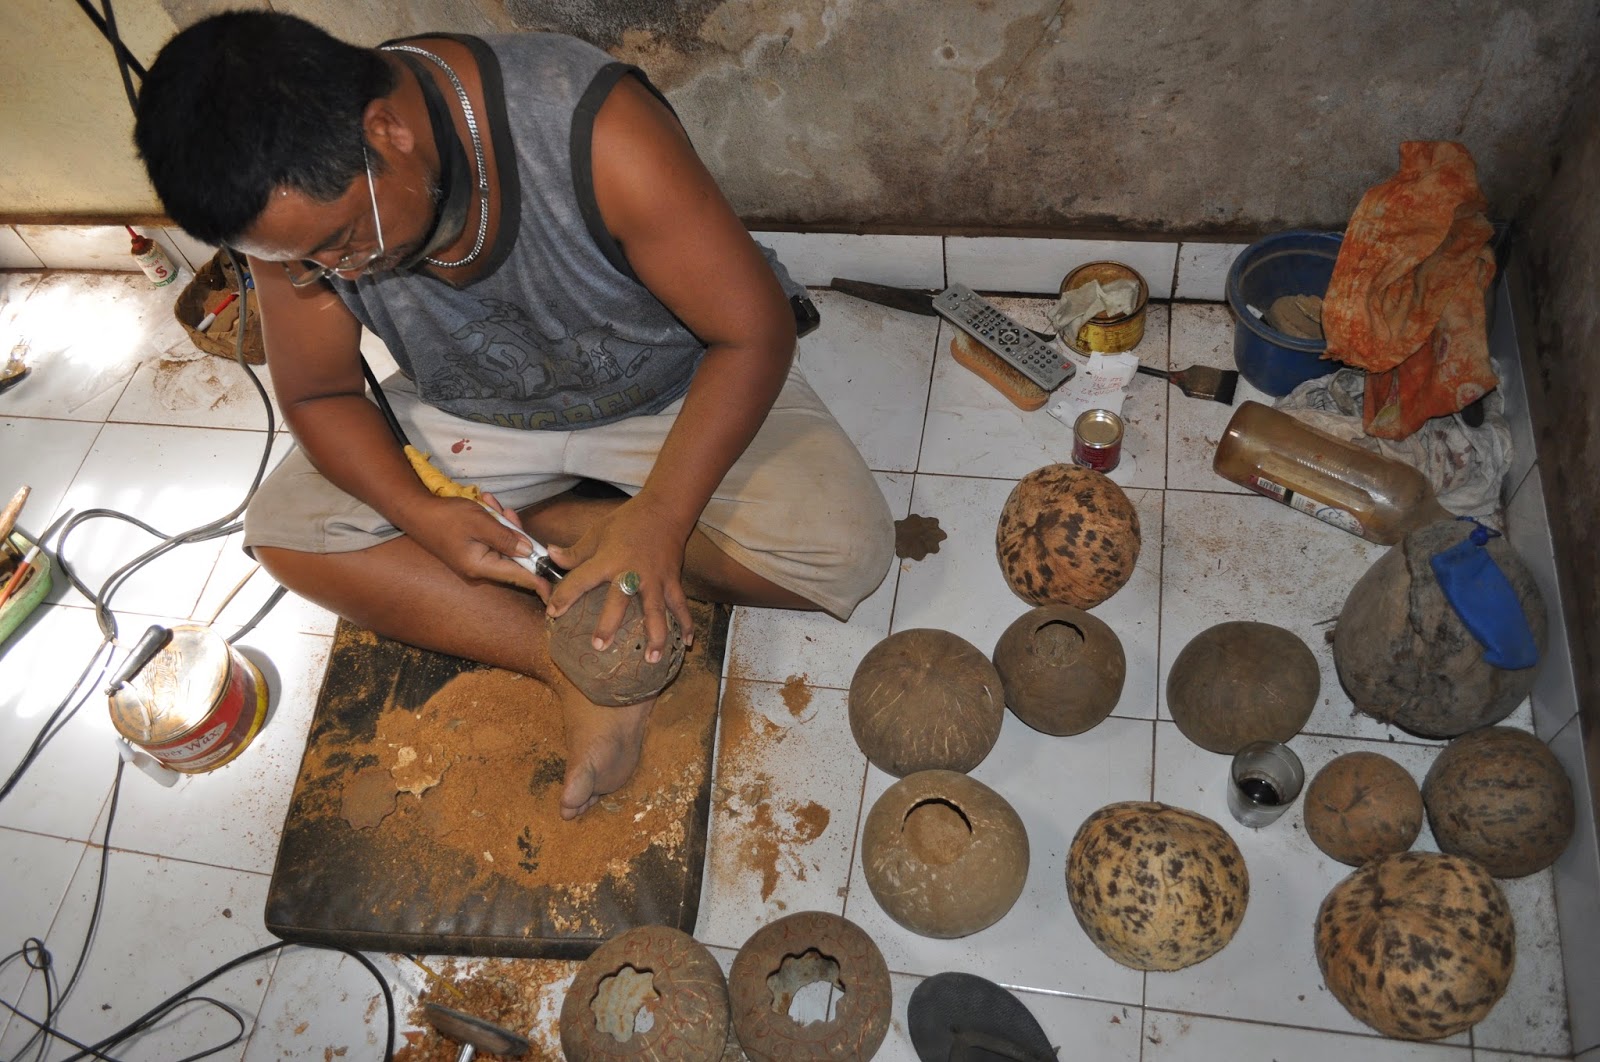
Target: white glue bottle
{"x": 152, "y": 259}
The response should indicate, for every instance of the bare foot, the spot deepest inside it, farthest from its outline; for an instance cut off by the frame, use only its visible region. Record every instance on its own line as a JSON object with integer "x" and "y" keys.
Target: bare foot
{"x": 603, "y": 746}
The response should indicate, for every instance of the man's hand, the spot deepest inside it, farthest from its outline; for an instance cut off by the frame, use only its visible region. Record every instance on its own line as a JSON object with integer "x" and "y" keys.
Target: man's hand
{"x": 635, "y": 537}
{"x": 472, "y": 543}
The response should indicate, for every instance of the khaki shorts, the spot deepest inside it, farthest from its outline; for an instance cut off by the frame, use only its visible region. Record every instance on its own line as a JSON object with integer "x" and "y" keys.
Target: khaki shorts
{"x": 799, "y": 508}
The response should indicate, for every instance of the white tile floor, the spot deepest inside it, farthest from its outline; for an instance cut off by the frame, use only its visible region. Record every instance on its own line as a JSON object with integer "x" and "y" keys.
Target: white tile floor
{"x": 119, "y": 413}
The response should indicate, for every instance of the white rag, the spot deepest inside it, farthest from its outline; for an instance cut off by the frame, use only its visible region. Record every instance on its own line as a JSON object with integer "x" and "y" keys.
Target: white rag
{"x": 1078, "y": 304}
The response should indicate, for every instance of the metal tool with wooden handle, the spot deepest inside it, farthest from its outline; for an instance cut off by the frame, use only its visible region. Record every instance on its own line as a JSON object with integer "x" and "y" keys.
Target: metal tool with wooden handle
{"x": 13, "y": 509}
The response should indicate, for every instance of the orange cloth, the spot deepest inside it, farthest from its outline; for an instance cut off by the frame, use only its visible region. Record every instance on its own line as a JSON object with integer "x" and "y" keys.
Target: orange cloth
{"x": 1406, "y": 301}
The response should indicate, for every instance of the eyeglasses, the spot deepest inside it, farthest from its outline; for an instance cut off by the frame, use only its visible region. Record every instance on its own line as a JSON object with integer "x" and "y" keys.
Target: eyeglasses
{"x": 307, "y": 272}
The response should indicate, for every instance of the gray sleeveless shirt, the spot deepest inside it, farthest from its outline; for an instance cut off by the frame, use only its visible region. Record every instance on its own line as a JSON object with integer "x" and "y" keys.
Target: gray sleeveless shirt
{"x": 558, "y": 333}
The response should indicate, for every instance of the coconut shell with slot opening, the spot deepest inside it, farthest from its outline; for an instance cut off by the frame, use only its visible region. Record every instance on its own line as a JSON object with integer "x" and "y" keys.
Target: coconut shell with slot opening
{"x": 1156, "y": 887}
{"x": 1062, "y": 669}
{"x": 943, "y": 854}
{"x": 1363, "y": 806}
{"x": 1418, "y": 945}
{"x": 925, "y": 699}
{"x": 1403, "y": 653}
{"x": 1067, "y": 535}
{"x": 618, "y": 674}
{"x": 1500, "y": 797}
{"x": 655, "y": 968}
{"x": 1242, "y": 681}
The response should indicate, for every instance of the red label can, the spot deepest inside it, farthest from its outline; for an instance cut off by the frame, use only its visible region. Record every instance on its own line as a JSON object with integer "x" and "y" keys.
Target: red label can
{"x": 1097, "y": 440}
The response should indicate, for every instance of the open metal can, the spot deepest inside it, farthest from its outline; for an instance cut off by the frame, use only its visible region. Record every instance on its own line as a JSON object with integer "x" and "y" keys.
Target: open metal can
{"x": 195, "y": 705}
{"x": 1097, "y": 440}
{"x": 1108, "y": 333}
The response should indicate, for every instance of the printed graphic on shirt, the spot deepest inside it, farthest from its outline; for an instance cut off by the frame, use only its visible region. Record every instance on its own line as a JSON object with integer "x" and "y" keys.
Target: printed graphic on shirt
{"x": 502, "y": 364}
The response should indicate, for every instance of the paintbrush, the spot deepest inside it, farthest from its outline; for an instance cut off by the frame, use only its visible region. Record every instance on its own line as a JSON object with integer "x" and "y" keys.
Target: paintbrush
{"x": 27, "y": 561}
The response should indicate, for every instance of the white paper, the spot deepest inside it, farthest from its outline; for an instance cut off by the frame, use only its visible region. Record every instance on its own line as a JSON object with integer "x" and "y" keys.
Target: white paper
{"x": 1101, "y": 383}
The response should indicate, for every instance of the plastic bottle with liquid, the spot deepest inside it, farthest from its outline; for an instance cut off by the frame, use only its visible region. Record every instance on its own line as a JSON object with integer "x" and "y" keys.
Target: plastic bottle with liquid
{"x": 1338, "y": 482}
{"x": 152, "y": 258}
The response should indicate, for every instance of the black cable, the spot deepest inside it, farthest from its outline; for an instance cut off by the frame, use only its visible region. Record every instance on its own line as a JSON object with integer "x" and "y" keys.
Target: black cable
{"x": 109, "y": 32}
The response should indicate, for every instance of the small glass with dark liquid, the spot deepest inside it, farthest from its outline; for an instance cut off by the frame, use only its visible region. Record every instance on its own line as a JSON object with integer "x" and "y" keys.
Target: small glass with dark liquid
{"x": 1264, "y": 779}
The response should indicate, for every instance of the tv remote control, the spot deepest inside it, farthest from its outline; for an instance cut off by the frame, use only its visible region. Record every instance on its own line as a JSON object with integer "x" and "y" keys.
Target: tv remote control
{"x": 1015, "y": 345}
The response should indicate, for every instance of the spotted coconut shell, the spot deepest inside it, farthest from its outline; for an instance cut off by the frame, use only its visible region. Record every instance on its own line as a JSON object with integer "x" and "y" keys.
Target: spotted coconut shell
{"x": 1062, "y": 669}
{"x": 924, "y": 700}
{"x": 1067, "y": 535}
{"x": 1242, "y": 681}
{"x": 1363, "y": 806}
{"x": 618, "y": 674}
{"x": 1156, "y": 887}
{"x": 1418, "y": 945}
{"x": 1500, "y": 797}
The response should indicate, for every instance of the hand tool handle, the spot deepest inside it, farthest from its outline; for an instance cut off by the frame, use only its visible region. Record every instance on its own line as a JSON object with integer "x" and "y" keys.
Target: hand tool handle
{"x": 1158, "y": 373}
{"x": 154, "y": 639}
{"x": 13, "y": 509}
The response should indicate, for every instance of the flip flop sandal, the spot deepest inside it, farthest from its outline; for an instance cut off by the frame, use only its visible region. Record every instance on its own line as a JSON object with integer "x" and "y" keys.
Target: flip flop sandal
{"x": 958, "y": 1017}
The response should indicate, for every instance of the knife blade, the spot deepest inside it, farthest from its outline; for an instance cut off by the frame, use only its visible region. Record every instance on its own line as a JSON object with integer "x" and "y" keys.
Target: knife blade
{"x": 911, "y": 300}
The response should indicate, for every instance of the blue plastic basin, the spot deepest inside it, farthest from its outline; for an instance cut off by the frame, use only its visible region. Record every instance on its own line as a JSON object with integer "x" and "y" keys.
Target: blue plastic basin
{"x": 1287, "y": 263}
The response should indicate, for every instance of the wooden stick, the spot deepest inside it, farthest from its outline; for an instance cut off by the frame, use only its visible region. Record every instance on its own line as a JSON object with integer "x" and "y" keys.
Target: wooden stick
{"x": 13, "y": 509}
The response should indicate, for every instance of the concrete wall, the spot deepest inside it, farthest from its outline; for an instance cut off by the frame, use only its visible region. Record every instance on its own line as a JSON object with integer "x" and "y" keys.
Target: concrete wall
{"x": 1564, "y": 391}
{"x": 1209, "y": 116}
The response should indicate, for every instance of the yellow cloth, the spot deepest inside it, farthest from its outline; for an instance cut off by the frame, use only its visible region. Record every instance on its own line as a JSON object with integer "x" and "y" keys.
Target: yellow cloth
{"x": 437, "y": 482}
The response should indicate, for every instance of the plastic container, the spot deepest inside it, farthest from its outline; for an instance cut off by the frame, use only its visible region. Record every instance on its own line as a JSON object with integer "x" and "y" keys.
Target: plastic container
{"x": 1337, "y": 482}
{"x": 1288, "y": 263}
{"x": 26, "y": 597}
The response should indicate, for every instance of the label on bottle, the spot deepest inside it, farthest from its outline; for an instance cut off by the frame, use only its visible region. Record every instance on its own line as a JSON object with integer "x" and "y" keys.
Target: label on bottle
{"x": 1328, "y": 514}
{"x": 157, "y": 266}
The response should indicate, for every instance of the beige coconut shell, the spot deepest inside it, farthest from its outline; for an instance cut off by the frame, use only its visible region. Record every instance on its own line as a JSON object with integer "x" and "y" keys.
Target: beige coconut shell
{"x": 1156, "y": 887}
{"x": 943, "y": 854}
{"x": 619, "y": 674}
{"x": 924, "y": 700}
{"x": 1500, "y": 797}
{"x": 1062, "y": 669}
{"x": 1418, "y": 945}
{"x": 1242, "y": 681}
{"x": 1363, "y": 806}
{"x": 1067, "y": 535}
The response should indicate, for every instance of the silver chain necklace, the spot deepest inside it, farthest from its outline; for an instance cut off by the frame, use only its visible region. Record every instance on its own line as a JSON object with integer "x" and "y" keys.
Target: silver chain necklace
{"x": 477, "y": 155}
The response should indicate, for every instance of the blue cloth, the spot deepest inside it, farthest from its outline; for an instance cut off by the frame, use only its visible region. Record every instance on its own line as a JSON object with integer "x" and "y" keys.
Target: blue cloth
{"x": 1483, "y": 597}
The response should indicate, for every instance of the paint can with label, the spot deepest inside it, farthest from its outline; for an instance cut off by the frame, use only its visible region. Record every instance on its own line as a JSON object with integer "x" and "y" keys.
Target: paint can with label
{"x": 195, "y": 705}
{"x": 1108, "y": 333}
{"x": 1097, "y": 440}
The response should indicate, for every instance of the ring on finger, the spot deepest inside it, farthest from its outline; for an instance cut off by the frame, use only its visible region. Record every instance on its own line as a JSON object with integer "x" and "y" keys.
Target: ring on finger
{"x": 628, "y": 583}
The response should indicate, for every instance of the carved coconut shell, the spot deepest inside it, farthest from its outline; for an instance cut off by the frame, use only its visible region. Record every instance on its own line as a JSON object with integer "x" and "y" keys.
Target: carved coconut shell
{"x": 1363, "y": 806}
{"x": 1418, "y": 945}
{"x": 1242, "y": 681}
{"x": 923, "y": 700}
{"x": 1404, "y": 655}
{"x": 1067, "y": 535}
{"x": 943, "y": 854}
{"x": 1156, "y": 887}
{"x": 658, "y": 965}
{"x": 1500, "y": 797}
{"x": 619, "y": 674}
{"x": 1062, "y": 669}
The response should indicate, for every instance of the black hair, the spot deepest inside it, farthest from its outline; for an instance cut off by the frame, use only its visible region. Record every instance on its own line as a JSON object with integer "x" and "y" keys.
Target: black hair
{"x": 245, "y": 102}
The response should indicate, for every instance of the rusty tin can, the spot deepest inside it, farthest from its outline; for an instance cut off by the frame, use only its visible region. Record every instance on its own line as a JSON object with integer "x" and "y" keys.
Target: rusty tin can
{"x": 195, "y": 705}
{"x": 1097, "y": 440}
{"x": 1114, "y": 333}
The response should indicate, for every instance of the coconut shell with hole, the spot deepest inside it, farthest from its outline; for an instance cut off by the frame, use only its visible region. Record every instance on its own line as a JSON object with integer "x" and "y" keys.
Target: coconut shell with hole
{"x": 1363, "y": 806}
{"x": 1156, "y": 887}
{"x": 619, "y": 674}
{"x": 1501, "y": 798}
{"x": 658, "y": 968}
{"x": 1404, "y": 655}
{"x": 1068, "y": 536}
{"x": 1418, "y": 945}
{"x": 944, "y": 855}
{"x": 1062, "y": 669}
{"x": 924, "y": 700}
{"x": 1242, "y": 681}
{"x": 779, "y": 960}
